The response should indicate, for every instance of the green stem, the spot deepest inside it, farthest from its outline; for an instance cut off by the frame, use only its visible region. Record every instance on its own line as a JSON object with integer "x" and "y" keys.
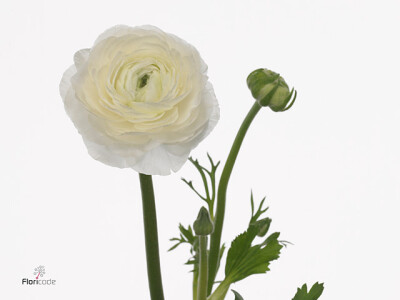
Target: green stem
{"x": 203, "y": 265}
{"x": 151, "y": 237}
{"x": 221, "y": 196}
{"x": 211, "y": 210}
{"x": 221, "y": 291}
{"x": 195, "y": 282}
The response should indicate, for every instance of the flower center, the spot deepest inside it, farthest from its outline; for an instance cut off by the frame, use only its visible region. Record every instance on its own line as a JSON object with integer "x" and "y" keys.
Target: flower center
{"x": 143, "y": 81}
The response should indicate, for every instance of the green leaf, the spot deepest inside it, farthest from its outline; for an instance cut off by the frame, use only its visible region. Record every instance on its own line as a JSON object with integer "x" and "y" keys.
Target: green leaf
{"x": 237, "y": 295}
{"x": 313, "y": 294}
{"x": 272, "y": 237}
{"x": 174, "y": 247}
{"x": 238, "y": 250}
{"x": 208, "y": 177}
{"x": 187, "y": 233}
{"x": 255, "y": 216}
{"x": 244, "y": 259}
{"x": 186, "y": 236}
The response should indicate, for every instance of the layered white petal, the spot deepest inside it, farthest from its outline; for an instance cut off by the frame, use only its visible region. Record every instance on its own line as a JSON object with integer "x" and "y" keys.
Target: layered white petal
{"x": 140, "y": 98}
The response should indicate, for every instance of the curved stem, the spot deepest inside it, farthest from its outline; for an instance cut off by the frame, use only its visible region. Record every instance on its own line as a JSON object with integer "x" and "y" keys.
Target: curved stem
{"x": 203, "y": 265}
{"x": 221, "y": 196}
{"x": 151, "y": 237}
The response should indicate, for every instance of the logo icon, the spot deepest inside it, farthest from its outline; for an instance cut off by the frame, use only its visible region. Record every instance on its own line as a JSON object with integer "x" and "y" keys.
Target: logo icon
{"x": 39, "y": 271}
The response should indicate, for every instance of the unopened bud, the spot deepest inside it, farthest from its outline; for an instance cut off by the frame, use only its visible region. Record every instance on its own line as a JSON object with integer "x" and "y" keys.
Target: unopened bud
{"x": 263, "y": 226}
{"x": 203, "y": 224}
{"x": 270, "y": 89}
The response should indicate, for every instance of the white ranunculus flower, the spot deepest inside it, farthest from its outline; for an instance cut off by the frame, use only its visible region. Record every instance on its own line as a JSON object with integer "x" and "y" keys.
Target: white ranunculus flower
{"x": 140, "y": 98}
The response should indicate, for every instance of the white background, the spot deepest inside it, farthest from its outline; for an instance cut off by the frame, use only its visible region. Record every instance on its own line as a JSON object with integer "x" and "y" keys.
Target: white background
{"x": 329, "y": 167}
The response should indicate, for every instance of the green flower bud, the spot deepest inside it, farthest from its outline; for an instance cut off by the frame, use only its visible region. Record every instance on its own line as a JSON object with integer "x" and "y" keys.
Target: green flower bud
{"x": 203, "y": 224}
{"x": 263, "y": 226}
{"x": 270, "y": 89}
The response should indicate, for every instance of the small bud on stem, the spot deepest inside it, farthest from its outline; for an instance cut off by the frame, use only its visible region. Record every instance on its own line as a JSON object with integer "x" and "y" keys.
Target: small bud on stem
{"x": 270, "y": 89}
{"x": 203, "y": 224}
{"x": 263, "y": 226}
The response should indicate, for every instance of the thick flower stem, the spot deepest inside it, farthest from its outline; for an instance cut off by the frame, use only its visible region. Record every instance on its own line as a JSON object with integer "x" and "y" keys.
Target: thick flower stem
{"x": 221, "y": 196}
{"x": 203, "y": 265}
{"x": 151, "y": 238}
{"x": 195, "y": 283}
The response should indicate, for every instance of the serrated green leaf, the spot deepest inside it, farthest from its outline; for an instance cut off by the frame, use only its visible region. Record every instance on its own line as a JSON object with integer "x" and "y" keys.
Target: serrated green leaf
{"x": 314, "y": 293}
{"x": 238, "y": 250}
{"x": 257, "y": 260}
{"x": 244, "y": 260}
{"x": 237, "y": 295}
{"x": 316, "y": 290}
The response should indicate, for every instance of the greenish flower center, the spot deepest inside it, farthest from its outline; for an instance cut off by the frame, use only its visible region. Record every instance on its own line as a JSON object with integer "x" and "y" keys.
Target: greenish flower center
{"x": 143, "y": 81}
